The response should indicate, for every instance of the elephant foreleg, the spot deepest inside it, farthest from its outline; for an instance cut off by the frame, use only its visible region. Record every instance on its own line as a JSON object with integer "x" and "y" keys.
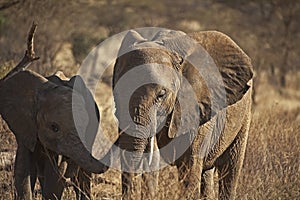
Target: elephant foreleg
{"x": 22, "y": 173}
{"x": 131, "y": 163}
{"x": 208, "y": 184}
{"x": 82, "y": 184}
{"x": 54, "y": 183}
{"x": 190, "y": 166}
{"x": 190, "y": 177}
{"x": 150, "y": 185}
{"x": 131, "y": 185}
{"x": 229, "y": 165}
{"x": 33, "y": 174}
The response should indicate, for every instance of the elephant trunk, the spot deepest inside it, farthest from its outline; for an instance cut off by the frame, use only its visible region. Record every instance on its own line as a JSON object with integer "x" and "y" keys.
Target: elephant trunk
{"x": 137, "y": 137}
{"x": 73, "y": 148}
{"x": 137, "y": 143}
{"x": 86, "y": 161}
{"x": 132, "y": 151}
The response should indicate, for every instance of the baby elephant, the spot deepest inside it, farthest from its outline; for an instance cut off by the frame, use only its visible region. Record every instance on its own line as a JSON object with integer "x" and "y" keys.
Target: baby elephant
{"x": 49, "y": 117}
{"x": 56, "y": 168}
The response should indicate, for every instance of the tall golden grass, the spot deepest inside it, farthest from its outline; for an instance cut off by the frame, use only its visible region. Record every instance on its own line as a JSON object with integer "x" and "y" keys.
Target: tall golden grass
{"x": 272, "y": 164}
{"x": 271, "y": 168}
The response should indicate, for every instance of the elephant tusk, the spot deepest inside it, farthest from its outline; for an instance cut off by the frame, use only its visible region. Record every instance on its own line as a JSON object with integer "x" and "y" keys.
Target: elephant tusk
{"x": 59, "y": 160}
{"x": 151, "y": 150}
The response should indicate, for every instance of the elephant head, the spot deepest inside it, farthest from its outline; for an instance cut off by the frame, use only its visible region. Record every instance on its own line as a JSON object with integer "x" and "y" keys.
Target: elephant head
{"x": 77, "y": 84}
{"x": 162, "y": 62}
{"x": 58, "y": 116}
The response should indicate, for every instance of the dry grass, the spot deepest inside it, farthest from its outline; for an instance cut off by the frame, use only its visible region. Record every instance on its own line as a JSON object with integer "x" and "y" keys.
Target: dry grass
{"x": 271, "y": 168}
{"x": 272, "y": 165}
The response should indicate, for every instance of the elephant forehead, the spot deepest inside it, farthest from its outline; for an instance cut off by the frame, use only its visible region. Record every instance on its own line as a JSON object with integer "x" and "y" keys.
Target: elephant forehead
{"x": 162, "y": 75}
{"x": 61, "y": 102}
{"x": 148, "y": 74}
{"x": 139, "y": 57}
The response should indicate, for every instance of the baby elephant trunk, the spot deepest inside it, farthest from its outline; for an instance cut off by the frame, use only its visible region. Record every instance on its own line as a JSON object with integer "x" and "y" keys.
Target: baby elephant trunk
{"x": 81, "y": 156}
{"x": 85, "y": 160}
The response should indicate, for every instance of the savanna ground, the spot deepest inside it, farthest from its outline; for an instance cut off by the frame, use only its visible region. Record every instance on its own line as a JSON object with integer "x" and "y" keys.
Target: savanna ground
{"x": 267, "y": 30}
{"x": 271, "y": 168}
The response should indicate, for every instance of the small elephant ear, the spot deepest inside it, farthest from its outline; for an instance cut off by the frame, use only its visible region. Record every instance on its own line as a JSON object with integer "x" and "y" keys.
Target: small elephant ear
{"x": 17, "y": 105}
{"x": 58, "y": 78}
{"x": 77, "y": 84}
{"x": 81, "y": 87}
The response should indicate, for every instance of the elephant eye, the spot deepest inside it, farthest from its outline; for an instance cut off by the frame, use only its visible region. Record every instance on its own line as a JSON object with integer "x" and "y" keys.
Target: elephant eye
{"x": 54, "y": 127}
{"x": 162, "y": 94}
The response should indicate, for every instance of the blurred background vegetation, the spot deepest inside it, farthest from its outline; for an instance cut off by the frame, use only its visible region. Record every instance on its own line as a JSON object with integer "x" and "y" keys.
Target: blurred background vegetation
{"x": 267, "y": 30}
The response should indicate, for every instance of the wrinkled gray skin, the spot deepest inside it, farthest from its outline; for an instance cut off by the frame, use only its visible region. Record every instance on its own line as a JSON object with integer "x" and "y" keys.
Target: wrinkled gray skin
{"x": 68, "y": 168}
{"x": 224, "y": 159}
{"x": 39, "y": 113}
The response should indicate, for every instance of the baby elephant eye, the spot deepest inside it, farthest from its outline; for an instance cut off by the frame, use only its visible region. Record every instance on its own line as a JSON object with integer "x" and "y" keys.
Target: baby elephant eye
{"x": 162, "y": 94}
{"x": 54, "y": 127}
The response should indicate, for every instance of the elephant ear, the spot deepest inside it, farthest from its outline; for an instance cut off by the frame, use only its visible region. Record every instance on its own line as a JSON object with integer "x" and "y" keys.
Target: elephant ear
{"x": 77, "y": 84}
{"x": 234, "y": 68}
{"x": 58, "y": 78}
{"x": 17, "y": 105}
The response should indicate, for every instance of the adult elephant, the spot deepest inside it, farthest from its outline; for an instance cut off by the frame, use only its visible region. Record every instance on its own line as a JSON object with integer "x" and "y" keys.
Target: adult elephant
{"x": 186, "y": 98}
{"x": 48, "y": 118}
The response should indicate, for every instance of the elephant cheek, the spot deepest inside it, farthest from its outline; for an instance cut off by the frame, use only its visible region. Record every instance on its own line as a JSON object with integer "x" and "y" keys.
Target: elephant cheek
{"x": 48, "y": 140}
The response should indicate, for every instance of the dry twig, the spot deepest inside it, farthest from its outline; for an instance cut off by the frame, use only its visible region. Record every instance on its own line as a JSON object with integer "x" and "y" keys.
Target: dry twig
{"x": 29, "y": 56}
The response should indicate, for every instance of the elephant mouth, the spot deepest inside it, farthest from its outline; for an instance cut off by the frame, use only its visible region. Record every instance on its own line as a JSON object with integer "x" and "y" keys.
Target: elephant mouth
{"x": 67, "y": 158}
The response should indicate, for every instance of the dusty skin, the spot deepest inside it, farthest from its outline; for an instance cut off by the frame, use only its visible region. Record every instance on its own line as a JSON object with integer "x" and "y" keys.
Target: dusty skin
{"x": 146, "y": 103}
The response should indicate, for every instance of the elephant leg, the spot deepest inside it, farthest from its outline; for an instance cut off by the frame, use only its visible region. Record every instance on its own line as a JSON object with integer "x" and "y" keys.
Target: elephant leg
{"x": 229, "y": 165}
{"x": 150, "y": 177}
{"x": 54, "y": 184}
{"x": 22, "y": 173}
{"x": 190, "y": 166}
{"x": 131, "y": 185}
{"x": 73, "y": 173}
{"x": 189, "y": 176}
{"x": 150, "y": 185}
{"x": 82, "y": 184}
{"x": 33, "y": 174}
{"x": 41, "y": 181}
{"x": 80, "y": 178}
{"x": 131, "y": 163}
{"x": 208, "y": 185}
